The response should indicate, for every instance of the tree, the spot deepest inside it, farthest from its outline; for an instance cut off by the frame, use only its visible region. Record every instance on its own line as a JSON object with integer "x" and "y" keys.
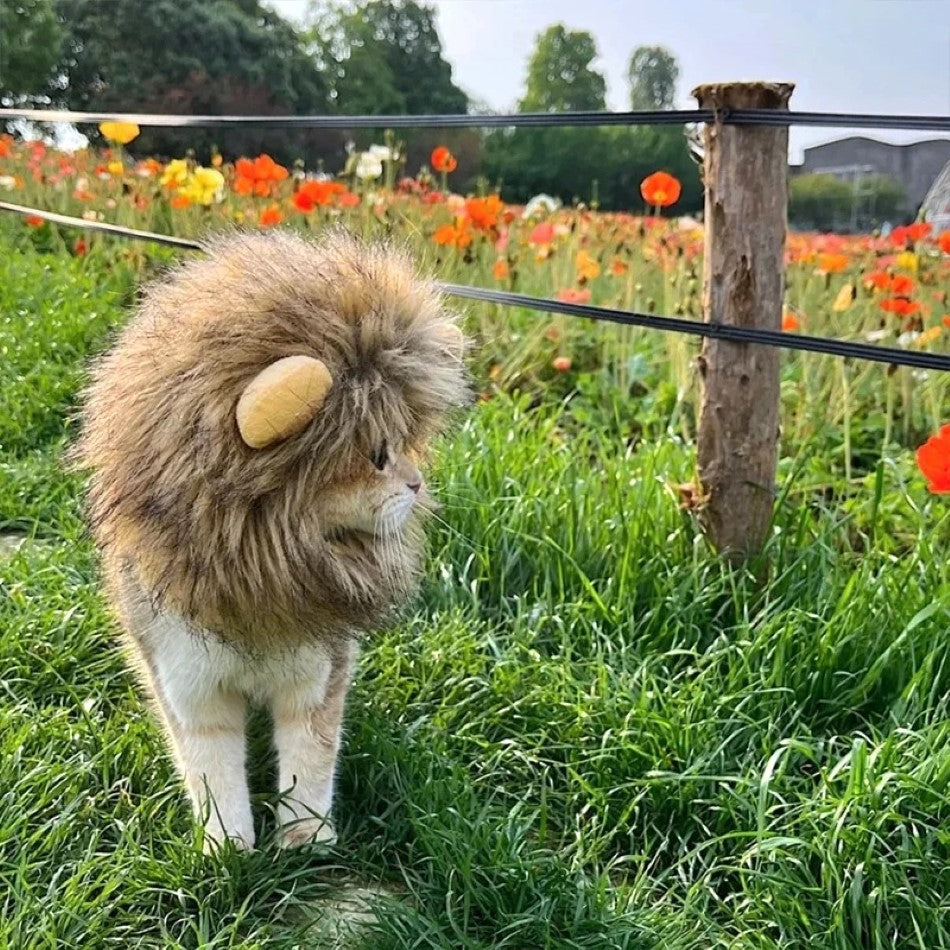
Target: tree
{"x": 828, "y": 203}
{"x": 560, "y": 77}
{"x": 384, "y": 57}
{"x": 190, "y": 56}
{"x": 653, "y": 74}
{"x": 565, "y": 162}
{"x": 29, "y": 50}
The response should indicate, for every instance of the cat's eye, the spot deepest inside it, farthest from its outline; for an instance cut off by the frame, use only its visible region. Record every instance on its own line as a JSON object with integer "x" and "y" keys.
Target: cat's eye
{"x": 380, "y": 457}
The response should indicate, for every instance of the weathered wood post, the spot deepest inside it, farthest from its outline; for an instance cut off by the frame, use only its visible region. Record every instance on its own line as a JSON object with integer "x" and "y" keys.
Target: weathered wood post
{"x": 746, "y": 177}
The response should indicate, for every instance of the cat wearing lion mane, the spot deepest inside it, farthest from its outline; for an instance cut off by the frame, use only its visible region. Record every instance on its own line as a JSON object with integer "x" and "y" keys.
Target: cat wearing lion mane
{"x": 253, "y": 442}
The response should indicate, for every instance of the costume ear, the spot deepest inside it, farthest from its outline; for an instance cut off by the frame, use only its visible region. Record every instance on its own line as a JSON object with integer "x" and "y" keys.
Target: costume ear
{"x": 281, "y": 400}
{"x": 450, "y": 338}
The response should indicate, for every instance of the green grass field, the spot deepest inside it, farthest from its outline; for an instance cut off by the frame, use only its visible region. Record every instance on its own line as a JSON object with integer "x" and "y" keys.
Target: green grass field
{"x": 585, "y": 733}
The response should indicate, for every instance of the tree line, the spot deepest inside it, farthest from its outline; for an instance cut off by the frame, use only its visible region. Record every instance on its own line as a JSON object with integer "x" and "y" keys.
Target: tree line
{"x": 356, "y": 57}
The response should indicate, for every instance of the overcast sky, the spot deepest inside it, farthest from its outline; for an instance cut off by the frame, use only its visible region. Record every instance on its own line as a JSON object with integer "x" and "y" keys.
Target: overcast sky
{"x": 843, "y": 55}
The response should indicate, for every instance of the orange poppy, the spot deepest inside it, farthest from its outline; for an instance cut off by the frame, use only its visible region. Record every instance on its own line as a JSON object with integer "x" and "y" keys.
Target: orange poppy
{"x": 483, "y": 212}
{"x": 500, "y": 270}
{"x": 790, "y": 322}
{"x": 180, "y": 201}
{"x": 6, "y": 143}
{"x": 348, "y": 200}
{"x": 832, "y": 263}
{"x": 35, "y": 221}
{"x": 443, "y": 160}
{"x": 587, "y": 267}
{"x": 312, "y": 194}
{"x": 453, "y": 234}
{"x": 270, "y": 216}
{"x": 618, "y": 267}
{"x": 943, "y": 241}
{"x": 933, "y": 460}
{"x": 660, "y": 189}
{"x": 573, "y": 295}
{"x": 257, "y": 176}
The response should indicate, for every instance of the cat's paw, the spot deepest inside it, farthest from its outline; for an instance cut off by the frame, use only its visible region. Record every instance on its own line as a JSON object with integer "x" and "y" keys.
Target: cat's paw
{"x": 302, "y": 831}
{"x": 215, "y": 838}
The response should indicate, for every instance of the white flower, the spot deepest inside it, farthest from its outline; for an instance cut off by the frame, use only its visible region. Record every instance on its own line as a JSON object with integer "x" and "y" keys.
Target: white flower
{"x": 383, "y": 152}
{"x": 8, "y": 182}
{"x": 540, "y": 205}
{"x": 905, "y": 339}
{"x": 369, "y": 166}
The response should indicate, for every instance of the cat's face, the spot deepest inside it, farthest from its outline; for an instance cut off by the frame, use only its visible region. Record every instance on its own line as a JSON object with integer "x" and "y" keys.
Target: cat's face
{"x": 378, "y": 499}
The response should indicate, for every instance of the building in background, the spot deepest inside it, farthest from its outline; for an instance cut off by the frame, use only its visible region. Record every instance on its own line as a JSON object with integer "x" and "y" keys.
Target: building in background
{"x": 915, "y": 165}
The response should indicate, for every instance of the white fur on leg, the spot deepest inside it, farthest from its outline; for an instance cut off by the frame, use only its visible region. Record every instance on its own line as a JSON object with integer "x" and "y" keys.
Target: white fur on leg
{"x": 205, "y": 718}
{"x": 307, "y": 727}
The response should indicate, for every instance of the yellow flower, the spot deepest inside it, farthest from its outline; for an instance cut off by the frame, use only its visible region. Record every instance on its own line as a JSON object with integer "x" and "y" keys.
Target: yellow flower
{"x": 928, "y": 336}
{"x": 176, "y": 173}
{"x": 119, "y": 132}
{"x": 204, "y": 186}
{"x": 115, "y": 168}
{"x": 844, "y": 299}
{"x": 907, "y": 260}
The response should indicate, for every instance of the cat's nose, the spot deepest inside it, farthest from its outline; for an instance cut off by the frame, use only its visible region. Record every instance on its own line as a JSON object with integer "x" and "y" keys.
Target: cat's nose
{"x": 414, "y": 485}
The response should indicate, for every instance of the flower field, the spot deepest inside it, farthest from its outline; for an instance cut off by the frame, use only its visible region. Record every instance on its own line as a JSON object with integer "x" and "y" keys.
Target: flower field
{"x": 588, "y": 731}
{"x": 892, "y": 289}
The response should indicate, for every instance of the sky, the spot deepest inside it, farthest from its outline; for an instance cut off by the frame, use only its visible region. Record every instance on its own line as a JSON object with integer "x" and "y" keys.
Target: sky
{"x": 884, "y": 56}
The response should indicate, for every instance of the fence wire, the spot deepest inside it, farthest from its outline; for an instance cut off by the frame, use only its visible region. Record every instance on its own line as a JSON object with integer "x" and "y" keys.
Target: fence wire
{"x": 767, "y": 117}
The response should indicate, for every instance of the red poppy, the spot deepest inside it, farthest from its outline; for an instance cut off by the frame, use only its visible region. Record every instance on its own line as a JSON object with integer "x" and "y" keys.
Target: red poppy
{"x": 542, "y": 234}
{"x": 910, "y": 233}
{"x": 933, "y": 460}
{"x": 6, "y": 143}
{"x": 790, "y": 322}
{"x": 902, "y": 285}
{"x": 879, "y": 280}
{"x": 943, "y": 241}
{"x": 900, "y": 305}
{"x": 660, "y": 189}
{"x": 35, "y": 221}
{"x": 443, "y": 160}
{"x": 348, "y": 200}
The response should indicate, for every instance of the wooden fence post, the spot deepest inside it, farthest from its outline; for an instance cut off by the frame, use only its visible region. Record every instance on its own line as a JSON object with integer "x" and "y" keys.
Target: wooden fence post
{"x": 746, "y": 177}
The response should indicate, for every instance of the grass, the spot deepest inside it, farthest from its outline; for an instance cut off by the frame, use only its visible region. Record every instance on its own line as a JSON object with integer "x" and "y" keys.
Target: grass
{"x": 585, "y": 733}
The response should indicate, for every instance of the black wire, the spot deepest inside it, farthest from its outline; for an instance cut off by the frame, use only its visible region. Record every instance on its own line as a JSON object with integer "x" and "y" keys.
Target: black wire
{"x": 716, "y": 331}
{"x": 769, "y": 117}
{"x": 115, "y": 229}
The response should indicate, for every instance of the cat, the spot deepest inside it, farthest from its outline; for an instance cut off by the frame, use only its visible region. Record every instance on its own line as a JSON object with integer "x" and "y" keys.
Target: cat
{"x": 254, "y": 442}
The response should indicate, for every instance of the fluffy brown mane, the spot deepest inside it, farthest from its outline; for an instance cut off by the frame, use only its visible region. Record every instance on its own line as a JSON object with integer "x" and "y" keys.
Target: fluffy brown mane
{"x": 229, "y": 536}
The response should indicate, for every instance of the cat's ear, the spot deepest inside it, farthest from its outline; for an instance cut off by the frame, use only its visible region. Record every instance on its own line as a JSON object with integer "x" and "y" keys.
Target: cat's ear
{"x": 281, "y": 400}
{"x": 450, "y": 339}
